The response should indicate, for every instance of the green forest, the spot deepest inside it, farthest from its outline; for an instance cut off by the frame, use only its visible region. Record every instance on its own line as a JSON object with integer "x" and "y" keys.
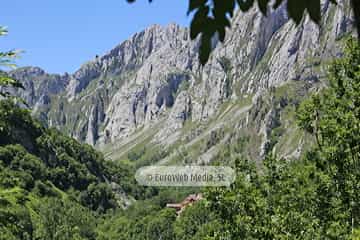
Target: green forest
{"x": 52, "y": 187}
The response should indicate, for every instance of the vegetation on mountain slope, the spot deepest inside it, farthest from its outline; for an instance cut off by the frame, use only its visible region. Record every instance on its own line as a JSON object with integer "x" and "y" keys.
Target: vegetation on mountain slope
{"x": 52, "y": 187}
{"x": 41, "y": 169}
{"x": 316, "y": 197}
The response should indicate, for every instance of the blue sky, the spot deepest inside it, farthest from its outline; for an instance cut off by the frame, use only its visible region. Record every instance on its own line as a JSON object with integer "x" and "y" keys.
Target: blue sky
{"x": 60, "y": 35}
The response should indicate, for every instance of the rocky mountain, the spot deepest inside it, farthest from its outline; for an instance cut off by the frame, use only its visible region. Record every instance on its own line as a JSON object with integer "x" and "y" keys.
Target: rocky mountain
{"x": 150, "y": 100}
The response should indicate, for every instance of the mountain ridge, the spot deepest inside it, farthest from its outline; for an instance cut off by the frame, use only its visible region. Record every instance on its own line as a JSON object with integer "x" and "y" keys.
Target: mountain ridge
{"x": 153, "y": 86}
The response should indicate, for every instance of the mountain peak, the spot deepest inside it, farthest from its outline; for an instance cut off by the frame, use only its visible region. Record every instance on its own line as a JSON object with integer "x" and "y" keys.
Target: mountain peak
{"x": 28, "y": 70}
{"x": 152, "y": 84}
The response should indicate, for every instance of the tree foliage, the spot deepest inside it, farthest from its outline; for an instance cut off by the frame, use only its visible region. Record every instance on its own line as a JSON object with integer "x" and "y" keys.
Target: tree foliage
{"x": 63, "y": 220}
{"x": 333, "y": 116}
{"x": 69, "y": 179}
{"x": 52, "y": 187}
{"x": 313, "y": 198}
{"x": 6, "y": 60}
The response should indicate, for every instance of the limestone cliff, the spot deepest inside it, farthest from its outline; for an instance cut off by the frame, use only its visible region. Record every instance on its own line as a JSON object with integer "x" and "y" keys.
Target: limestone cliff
{"x": 150, "y": 92}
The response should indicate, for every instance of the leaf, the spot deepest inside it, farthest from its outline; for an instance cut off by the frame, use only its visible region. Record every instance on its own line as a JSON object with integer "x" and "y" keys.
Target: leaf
{"x": 18, "y": 84}
{"x": 3, "y": 31}
{"x": 20, "y": 100}
{"x": 224, "y": 7}
{"x": 314, "y": 10}
{"x": 5, "y": 80}
{"x": 230, "y": 7}
{"x": 220, "y": 11}
{"x": 10, "y": 54}
{"x": 296, "y": 9}
{"x": 194, "y": 4}
{"x": 277, "y": 4}
{"x": 8, "y": 81}
{"x": 222, "y": 33}
{"x": 221, "y": 25}
{"x": 132, "y": 1}
{"x": 199, "y": 21}
{"x": 245, "y": 5}
{"x": 205, "y": 48}
{"x": 263, "y": 6}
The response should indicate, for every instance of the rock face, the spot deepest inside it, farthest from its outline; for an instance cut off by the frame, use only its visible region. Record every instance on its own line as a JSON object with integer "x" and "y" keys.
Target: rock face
{"x": 152, "y": 85}
{"x": 39, "y": 85}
